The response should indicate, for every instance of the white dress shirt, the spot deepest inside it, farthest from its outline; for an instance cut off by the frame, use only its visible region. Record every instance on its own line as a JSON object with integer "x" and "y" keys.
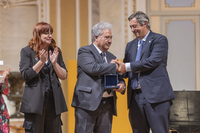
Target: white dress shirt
{"x": 105, "y": 94}
{"x": 128, "y": 65}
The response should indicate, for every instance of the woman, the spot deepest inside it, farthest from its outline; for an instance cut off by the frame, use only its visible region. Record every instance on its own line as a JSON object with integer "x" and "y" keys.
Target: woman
{"x": 42, "y": 66}
{"x": 4, "y": 116}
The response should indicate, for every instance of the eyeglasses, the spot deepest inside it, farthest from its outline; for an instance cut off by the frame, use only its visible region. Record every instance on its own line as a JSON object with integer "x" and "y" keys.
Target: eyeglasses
{"x": 108, "y": 37}
{"x": 47, "y": 33}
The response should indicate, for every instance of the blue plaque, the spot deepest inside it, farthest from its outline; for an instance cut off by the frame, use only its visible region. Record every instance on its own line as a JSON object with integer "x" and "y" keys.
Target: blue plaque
{"x": 111, "y": 81}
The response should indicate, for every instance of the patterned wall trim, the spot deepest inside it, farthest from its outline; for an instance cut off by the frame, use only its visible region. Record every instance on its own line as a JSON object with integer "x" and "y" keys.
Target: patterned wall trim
{"x": 129, "y": 8}
{"x": 43, "y": 10}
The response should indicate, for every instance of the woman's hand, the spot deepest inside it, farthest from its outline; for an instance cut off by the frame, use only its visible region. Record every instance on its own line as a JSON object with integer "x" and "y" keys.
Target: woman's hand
{"x": 60, "y": 72}
{"x": 54, "y": 56}
{"x": 6, "y": 72}
{"x": 43, "y": 54}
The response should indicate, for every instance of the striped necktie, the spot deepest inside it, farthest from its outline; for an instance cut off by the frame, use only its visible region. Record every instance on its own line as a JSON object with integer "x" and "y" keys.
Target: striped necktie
{"x": 134, "y": 80}
{"x": 139, "y": 51}
{"x": 103, "y": 55}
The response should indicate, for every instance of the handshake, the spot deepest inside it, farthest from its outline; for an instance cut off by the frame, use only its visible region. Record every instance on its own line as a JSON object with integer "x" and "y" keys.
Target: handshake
{"x": 121, "y": 68}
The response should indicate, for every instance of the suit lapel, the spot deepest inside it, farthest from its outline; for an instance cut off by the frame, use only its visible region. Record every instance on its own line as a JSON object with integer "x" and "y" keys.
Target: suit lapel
{"x": 147, "y": 42}
{"x": 133, "y": 50}
{"x": 96, "y": 53}
{"x": 34, "y": 59}
{"x": 108, "y": 57}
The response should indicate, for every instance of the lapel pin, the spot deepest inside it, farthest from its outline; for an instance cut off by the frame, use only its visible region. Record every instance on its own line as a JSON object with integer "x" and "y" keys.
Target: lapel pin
{"x": 149, "y": 41}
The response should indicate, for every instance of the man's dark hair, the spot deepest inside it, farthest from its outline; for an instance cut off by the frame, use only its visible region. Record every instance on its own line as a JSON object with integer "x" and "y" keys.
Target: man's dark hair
{"x": 141, "y": 18}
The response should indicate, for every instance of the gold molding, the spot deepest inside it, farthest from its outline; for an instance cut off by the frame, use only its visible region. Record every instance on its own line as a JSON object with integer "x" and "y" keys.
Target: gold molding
{"x": 167, "y": 21}
{"x": 126, "y": 21}
{"x": 134, "y": 10}
{"x": 11, "y": 3}
{"x": 126, "y": 18}
{"x": 134, "y": 6}
{"x": 42, "y": 10}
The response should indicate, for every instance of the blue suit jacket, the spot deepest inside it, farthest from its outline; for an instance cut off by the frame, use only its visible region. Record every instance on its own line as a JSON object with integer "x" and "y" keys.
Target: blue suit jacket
{"x": 154, "y": 80}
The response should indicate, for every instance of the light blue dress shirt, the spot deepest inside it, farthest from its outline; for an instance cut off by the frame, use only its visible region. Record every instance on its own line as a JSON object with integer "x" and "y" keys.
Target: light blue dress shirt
{"x": 128, "y": 65}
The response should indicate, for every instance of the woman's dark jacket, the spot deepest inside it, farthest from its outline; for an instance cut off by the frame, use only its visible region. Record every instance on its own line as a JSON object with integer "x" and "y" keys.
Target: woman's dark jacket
{"x": 34, "y": 90}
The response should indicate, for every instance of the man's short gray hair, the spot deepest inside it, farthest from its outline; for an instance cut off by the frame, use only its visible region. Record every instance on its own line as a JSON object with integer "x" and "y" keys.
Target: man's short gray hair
{"x": 141, "y": 18}
{"x": 97, "y": 29}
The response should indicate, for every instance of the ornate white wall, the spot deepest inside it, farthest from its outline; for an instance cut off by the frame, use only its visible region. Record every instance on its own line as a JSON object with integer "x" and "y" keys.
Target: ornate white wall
{"x": 179, "y": 21}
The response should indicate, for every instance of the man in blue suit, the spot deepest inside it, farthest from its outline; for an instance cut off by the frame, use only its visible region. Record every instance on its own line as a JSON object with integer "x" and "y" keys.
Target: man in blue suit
{"x": 149, "y": 90}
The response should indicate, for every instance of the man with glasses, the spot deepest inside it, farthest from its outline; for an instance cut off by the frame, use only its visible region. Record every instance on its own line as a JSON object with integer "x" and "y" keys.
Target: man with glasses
{"x": 95, "y": 107}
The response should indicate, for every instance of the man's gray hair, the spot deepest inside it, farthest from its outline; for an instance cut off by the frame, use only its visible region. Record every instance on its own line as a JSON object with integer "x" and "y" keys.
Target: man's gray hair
{"x": 97, "y": 29}
{"x": 141, "y": 18}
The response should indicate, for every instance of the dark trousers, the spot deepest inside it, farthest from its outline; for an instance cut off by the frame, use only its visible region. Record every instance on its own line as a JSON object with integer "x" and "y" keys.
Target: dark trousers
{"x": 48, "y": 122}
{"x": 144, "y": 115}
{"x": 98, "y": 121}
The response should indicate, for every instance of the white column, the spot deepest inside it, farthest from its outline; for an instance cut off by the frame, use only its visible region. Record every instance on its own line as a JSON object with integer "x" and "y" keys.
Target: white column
{"x": 58, "y": 23}
{"x": 123, "y": 23}
{"x": 130, "y": 11}
{"x": 39, "y": 10}
{"x": 47, "y": 11}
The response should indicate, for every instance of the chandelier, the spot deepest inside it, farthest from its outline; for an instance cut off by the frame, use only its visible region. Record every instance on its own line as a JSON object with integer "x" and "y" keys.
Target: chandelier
{"x": 11, "y": 3}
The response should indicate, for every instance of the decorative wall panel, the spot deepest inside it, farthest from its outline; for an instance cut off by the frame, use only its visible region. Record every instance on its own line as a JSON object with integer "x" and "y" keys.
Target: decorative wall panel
{"x": 180, "y": 3}
{"x": 179, "y": 20}
{"x": 181, "y": 63}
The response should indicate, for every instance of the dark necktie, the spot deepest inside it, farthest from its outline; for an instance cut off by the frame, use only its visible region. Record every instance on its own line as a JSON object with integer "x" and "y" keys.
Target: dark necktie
{"x": 103, "y": 55}
{"x": 134, "y": 79}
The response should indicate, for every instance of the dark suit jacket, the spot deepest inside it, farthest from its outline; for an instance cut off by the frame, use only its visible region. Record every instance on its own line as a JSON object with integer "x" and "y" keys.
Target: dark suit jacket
{"x": 34, "y": 90}
{"x": 90, "y": 84}
{"x": 154, "y": 80}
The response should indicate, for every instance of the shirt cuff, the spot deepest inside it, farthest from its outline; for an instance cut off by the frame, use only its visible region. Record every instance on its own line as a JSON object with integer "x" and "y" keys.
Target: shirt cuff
{"x": 128, "y": 67}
